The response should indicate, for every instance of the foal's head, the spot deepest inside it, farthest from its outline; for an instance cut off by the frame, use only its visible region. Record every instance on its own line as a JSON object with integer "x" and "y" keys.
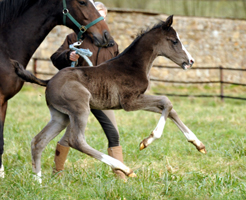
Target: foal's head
{"x": 171, "y": 47}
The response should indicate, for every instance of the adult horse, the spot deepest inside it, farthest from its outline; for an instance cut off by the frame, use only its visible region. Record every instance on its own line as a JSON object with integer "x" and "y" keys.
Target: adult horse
{"x": 119, "y": 83}
{"x": 23, "y": 26}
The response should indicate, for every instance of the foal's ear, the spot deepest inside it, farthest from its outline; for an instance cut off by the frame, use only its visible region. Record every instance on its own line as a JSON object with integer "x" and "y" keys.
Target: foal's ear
{"x": 168, "y": 22}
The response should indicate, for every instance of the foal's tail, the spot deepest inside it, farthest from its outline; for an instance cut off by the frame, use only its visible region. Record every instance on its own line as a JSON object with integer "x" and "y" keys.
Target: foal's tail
{"x": 26, "y": 75}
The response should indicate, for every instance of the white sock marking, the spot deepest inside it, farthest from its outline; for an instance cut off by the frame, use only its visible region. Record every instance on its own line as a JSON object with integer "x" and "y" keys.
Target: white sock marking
{"x": 190, "y": 136}
{"x": 157, "y": 132}
{"x": 160, "y": 127}
{"x": 114, "y": 163}
{"x": 38, "y": 177}
{"x": 2, "y": 172}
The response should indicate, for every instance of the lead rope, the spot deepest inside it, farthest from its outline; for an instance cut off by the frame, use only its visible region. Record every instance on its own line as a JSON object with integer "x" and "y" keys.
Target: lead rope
{"x": 98, "y": 54}
{"x": 82, "y": 52}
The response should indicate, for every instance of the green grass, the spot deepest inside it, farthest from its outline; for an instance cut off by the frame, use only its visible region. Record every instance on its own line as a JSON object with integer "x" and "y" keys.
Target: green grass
{"x": 171, "y": 168}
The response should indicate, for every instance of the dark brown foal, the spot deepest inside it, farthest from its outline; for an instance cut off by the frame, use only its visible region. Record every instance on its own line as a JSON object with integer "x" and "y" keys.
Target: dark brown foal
{"x": 119, "y": 83}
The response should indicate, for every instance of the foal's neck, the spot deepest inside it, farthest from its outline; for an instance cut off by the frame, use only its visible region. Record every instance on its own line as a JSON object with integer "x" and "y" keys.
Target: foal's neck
{"x": 141, "y": 53}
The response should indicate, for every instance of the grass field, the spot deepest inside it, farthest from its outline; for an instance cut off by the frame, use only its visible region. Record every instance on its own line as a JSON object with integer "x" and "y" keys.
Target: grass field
{"x": 171, "y": 168}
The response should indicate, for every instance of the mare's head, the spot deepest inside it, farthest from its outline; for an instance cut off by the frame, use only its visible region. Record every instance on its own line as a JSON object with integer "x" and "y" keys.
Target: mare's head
{"x": 171, "y": 47}
{"x": 85, "y": 12}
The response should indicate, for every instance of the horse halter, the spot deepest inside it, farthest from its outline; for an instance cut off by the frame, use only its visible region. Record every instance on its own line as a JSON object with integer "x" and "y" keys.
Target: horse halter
{"x": 82, "y": 28}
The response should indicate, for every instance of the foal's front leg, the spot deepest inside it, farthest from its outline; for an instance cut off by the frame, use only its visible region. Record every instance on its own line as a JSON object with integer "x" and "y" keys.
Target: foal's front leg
{"x": 156, "y": 133}
{"x": 161, "y": 104}
{"x": 191, "y": 137}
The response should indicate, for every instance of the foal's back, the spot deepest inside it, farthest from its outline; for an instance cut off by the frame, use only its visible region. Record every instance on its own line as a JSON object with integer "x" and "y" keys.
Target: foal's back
{"x": 107, "y": 84}
{"x": 95, "y": 85}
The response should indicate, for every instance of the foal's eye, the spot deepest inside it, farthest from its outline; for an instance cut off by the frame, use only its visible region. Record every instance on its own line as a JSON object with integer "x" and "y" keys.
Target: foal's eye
{"x": 82, "y": 3}
{"x": 175, "y": 42}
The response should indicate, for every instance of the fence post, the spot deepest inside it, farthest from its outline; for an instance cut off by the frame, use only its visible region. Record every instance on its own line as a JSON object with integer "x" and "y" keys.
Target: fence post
{"x": 221, "y": 84}
{"x": 34, "y": 66}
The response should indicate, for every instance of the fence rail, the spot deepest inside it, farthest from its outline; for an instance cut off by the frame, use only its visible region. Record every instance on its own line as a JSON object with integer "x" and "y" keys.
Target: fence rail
{"x": 220, "y": 81}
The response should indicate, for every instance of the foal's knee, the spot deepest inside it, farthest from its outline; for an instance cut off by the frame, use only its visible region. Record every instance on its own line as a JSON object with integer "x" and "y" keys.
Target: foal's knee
{"x": 77, "y": 144}
{"x": 33, "y": 143}
{"x": 37, "y": 144}
{"x": 166, "y": 104}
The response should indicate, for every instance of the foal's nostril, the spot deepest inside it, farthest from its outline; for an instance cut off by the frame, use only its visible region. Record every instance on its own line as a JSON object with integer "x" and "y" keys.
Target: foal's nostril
{"x": 192, "y": 62}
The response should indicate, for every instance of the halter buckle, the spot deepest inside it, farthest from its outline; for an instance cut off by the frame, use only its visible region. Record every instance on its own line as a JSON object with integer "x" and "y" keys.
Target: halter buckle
{"x": 83, "y": 28}
{"x": 65, "y": 11}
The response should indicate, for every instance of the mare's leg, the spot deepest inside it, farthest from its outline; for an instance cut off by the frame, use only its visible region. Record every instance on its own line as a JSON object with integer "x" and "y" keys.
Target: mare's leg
{"x": 161, "y": 104}
{"x": 3, "y": 108}
{"x": 58, "y": 122}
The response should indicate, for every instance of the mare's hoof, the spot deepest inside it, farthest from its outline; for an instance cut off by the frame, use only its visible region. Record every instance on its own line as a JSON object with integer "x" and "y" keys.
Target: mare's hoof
{"x": 132, "y": 175}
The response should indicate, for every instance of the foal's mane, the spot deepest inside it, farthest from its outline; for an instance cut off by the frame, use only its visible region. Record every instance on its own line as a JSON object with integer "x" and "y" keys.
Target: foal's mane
{"x": 144, "y": 31}
{"x": 139, "y": 36}
{"x": 11, "y": 9}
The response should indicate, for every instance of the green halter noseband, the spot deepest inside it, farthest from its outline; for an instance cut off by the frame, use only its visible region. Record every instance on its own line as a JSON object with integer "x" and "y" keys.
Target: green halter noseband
{"x": 82, "y": 28}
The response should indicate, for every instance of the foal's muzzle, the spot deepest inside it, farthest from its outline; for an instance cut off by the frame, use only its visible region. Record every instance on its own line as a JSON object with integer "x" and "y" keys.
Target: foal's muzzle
{"x": 187, "y": 66}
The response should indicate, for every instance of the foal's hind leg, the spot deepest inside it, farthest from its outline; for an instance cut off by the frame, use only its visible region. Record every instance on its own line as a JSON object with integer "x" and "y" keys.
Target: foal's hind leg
{"x": 78, "y": 113}
{"x": 57, "y": 123}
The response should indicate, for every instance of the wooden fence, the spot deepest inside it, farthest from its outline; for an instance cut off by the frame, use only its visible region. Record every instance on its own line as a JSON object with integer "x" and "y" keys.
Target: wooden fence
{"x": 220, "y": 80}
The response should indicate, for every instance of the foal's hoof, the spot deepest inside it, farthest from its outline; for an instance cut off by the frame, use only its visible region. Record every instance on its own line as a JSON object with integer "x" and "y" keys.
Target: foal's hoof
{"x": 142, "y": 146}
{"x": 147, "y": 141}
{"x": 203, "y": 151}
{"x": 132, "y": 175}
{"x": 200, "y": 147}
